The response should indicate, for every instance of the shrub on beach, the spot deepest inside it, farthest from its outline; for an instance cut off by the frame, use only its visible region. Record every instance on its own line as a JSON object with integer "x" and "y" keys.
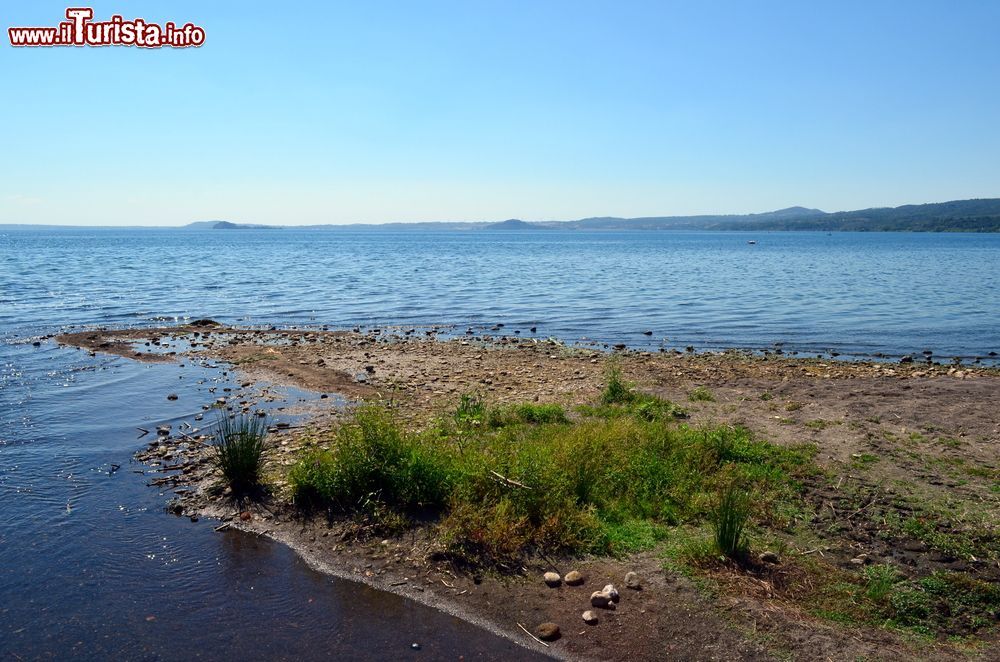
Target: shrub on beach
{"x": 240, "y": 450}
{"x": 373, "y": 459}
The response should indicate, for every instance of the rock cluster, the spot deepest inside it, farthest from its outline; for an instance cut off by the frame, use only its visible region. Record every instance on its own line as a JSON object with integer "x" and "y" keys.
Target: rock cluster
{"x": 607, "y": 598}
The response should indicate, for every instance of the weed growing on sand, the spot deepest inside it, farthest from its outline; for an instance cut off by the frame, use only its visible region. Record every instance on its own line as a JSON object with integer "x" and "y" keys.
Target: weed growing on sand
{"x": 240, "y": 450}
{"x": 617, "y": 391}
{"x": 471, "y": 411}
{"x": 700, "y": 394}
{"x": 620, "y": 398}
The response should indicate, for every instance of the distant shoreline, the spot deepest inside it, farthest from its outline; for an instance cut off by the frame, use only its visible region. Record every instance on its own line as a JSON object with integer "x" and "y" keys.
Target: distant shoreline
{"x": 963, "y": 216}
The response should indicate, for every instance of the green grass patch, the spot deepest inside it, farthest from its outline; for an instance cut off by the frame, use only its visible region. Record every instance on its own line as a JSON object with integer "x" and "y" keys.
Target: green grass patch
{"x": 862, "y": 460}
{"x": 473, "y": 412}
{"x": 374, "y": 462}
{"x": 498, "y": 483}
{"x": 940, "y": 603}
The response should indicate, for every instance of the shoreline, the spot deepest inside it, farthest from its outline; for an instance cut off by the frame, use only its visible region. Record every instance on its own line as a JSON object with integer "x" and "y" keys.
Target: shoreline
{"x": 425, "y": 375}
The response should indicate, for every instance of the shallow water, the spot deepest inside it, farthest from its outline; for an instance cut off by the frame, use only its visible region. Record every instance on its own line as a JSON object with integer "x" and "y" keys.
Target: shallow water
{"x": 92, "y": 567}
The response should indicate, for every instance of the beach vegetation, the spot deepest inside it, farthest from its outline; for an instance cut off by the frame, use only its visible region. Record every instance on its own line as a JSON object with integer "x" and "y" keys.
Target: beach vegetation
{"x": 496, "y": 485}
{"x": 499, "y": 483}
{"x": 729, "y": 521}
{"x": 240, "y": 450}
{"x": 700, "y": 394}
{"x": 617, "y": 391}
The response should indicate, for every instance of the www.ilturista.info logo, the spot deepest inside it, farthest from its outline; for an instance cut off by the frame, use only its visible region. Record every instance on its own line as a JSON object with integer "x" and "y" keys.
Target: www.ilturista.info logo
{"x": 82, "y": 30}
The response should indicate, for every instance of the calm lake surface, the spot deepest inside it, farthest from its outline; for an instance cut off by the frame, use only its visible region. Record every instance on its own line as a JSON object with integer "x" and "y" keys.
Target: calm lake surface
{"x": 92, "y": 567}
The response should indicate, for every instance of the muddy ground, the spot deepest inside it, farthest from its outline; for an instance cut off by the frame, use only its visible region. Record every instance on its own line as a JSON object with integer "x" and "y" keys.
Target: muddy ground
{"x": 888, "y": 435}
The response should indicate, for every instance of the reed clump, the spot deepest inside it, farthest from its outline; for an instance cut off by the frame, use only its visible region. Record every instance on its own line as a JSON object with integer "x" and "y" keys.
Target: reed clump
{"x": 240, "y": 450}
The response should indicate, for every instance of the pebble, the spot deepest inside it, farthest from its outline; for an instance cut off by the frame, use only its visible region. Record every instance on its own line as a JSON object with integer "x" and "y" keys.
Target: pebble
{"x": 574, "y": 578}
{"x": 632, "y": 581}
{"x": 590, "y": 617}
{"x": 172, "y": 396}
{"x": 769, "y": 557}
{"x": 552, "y": 579}
{"x": 600, "y": 599}
{"x": 611, "y": 592}
{"x": 547, "y": 631}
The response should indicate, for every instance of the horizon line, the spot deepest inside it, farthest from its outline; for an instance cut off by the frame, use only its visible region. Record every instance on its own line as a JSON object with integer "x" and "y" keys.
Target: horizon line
{"x": 477, "y": 222}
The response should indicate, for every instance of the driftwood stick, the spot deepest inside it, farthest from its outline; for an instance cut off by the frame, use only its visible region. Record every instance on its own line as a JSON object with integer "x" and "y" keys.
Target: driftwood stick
{"x": 871, "y": 500}
{"x": 509, "y": 482}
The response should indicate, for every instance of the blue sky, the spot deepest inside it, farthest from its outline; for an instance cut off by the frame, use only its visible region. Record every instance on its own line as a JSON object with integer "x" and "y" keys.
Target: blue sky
{"x": 339, "y": 112}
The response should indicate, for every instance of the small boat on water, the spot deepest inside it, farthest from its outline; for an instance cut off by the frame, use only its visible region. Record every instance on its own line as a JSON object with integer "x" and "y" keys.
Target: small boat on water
{"x": 752, "y": 242}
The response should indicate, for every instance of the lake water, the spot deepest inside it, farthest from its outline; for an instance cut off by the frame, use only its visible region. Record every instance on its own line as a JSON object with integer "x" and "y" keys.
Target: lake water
{"x": 854, "y": 293}
{"x": 92, "y": 567}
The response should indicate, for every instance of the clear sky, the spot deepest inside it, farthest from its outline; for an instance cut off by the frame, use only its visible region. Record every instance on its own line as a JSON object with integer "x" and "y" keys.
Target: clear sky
{"x": 339, "y": 112}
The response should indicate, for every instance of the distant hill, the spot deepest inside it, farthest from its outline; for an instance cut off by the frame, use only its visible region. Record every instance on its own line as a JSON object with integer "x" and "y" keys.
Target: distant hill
{"x": 979, "y": 215}
{"x": 227, "y": 225}
{"x": 976, "y": 215}
{"x": 513, "y": 224}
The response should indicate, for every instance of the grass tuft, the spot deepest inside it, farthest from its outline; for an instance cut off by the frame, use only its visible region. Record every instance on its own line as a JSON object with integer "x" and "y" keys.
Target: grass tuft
{"x": 730, "y": 520}
{"x": 617, "y": 391}
{"x": 700, "y": 394}
{"x": 240, "y": 450}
